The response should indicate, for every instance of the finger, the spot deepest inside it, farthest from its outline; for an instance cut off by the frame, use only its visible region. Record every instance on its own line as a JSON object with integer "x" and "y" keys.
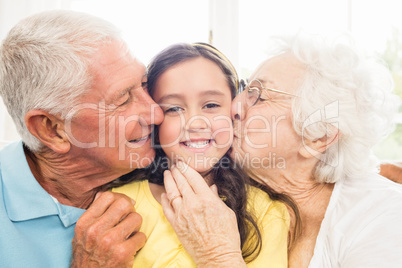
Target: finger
{"x": 135, "y": 242}
{"x": 194, "y": 179}
{"x": 118, "y": 209}
{"x": 172, "y": 192}
{"x": 182, "y": 183}
{"x": 104, "y": 201}
{"x": 128, "y": 226}
{"x": 123, "y": 253}
{"x": 98, "y": 207}
{"x": 167, "y": 209}
{"x": 170, "y": 185}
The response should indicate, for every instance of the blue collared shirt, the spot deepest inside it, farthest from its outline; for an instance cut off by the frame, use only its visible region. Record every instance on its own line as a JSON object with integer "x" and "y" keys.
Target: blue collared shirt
{"x": 36, "y": 230}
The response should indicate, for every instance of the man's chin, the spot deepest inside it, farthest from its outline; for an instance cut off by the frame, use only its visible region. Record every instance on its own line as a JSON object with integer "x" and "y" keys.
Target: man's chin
{"x": 141, "y": 160}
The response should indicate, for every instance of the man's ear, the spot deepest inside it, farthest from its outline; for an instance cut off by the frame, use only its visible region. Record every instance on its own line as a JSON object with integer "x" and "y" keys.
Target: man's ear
{"x": 318, "y": 146}
{"x": 49, "y": 129}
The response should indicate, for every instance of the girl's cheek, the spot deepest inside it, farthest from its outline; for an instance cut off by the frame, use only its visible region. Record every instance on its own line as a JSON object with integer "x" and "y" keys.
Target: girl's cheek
{"x": 223, "y": 133}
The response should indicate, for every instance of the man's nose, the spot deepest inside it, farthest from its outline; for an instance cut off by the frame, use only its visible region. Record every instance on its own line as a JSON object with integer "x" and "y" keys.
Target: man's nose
{"x": 152, "y": 114}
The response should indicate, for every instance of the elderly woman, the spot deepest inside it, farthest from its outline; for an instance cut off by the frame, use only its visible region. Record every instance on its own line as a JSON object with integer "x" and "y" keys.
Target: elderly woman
{"x": 305, "y": 125}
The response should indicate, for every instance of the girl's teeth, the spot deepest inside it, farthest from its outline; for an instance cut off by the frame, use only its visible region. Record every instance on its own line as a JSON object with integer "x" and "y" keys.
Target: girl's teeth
{"x": 200, "y": 144}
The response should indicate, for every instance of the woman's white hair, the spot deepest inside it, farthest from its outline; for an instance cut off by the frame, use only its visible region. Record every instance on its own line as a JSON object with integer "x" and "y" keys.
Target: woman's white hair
{"x": 342, "y": 90}
{"x": 44, "y": 64}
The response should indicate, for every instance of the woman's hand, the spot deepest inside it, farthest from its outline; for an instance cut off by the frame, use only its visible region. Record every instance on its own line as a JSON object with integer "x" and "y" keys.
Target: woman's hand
{"x": 205, "y": 226}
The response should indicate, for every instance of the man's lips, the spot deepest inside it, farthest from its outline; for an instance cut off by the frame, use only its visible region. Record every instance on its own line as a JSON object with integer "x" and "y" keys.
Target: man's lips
{"x": 141, "y": 139}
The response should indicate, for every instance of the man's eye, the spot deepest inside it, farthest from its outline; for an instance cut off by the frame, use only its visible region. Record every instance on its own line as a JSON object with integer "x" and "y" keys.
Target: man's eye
{"x": 127, "y": 100}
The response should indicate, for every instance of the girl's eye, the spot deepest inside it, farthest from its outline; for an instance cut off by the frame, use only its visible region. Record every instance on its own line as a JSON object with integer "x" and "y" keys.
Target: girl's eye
{"x": 174, "y": 109}
{"x": 211, "y": 105}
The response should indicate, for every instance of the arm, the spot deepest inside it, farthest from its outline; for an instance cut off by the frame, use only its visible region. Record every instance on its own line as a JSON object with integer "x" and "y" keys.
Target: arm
{"x": 392, "y": 171}
{"x": 205, "y": 226}
{"x": 107, "y": 234}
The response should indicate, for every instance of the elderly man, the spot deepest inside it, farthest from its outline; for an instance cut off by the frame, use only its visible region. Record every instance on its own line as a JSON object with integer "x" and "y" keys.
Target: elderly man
{"x": 76, "y": 96}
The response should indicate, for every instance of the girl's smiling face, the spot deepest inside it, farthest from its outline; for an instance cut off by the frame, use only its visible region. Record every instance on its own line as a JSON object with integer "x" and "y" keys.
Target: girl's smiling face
{"x": 196, "y": 100}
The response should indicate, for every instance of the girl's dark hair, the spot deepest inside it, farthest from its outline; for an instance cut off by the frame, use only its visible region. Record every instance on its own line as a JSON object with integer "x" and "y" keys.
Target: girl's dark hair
{"x": 231, "y": 181}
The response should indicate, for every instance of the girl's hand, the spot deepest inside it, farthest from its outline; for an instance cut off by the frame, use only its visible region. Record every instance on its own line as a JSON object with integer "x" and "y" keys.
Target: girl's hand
{"x": 205, "y": 226}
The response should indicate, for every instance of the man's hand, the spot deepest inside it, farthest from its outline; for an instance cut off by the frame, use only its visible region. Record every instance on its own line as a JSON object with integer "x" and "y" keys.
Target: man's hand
{"x": 107, "y": 234}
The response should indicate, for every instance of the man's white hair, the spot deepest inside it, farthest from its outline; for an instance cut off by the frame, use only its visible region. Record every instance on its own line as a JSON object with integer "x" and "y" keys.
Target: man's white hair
{"x": 44, "y": 64}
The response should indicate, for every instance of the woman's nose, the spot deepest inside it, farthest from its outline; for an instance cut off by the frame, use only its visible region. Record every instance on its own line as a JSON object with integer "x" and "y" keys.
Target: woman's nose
{"x": 239, "y": 107}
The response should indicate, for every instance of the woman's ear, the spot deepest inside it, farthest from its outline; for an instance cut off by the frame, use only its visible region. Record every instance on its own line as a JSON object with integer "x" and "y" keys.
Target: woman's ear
{"x": 49, "y": 129}
{"x": 316, "y": 147}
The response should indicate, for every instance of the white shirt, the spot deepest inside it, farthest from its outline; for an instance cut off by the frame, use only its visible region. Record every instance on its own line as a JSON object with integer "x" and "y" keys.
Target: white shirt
{"x": 362, "y": 226}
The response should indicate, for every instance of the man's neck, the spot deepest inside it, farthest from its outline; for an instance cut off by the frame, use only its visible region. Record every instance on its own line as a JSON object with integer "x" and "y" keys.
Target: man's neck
{"x": 71, "y": 181}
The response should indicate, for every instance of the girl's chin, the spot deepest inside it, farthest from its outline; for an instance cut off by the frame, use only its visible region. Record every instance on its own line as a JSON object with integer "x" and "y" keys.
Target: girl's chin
{"x": 201, "y": 169}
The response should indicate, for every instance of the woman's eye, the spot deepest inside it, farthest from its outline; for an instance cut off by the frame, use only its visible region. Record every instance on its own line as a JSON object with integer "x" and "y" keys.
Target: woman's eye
{"x": 174, "y": 109}
{"x": 211, "y": 105}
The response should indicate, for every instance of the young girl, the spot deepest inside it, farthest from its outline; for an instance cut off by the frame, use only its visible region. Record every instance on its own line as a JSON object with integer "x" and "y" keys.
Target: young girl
{"x": 194, "y": 85}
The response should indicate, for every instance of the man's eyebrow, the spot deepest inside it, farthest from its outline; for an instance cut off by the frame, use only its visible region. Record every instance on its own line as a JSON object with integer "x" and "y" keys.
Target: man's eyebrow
{"x": 122, "y": 93}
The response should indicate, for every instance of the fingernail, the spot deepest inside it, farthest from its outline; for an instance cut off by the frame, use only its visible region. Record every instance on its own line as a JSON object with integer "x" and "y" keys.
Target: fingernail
{"x": 180, "y": 165}
{"x": 97, "y": 195}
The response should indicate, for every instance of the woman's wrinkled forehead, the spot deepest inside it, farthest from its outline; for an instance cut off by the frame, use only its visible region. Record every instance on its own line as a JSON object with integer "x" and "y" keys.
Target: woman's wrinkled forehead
{"x": 283, "y": 72}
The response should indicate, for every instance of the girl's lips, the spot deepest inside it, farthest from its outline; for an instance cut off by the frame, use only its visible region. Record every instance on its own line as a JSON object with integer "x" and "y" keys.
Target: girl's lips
{"x": 197, "y": 145}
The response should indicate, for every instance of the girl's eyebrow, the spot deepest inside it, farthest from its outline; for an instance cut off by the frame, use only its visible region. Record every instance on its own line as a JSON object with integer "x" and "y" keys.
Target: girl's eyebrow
{"x": 170, "y": 96}
{"x": 213, "y": 92}
{"x": 180, "y": 96}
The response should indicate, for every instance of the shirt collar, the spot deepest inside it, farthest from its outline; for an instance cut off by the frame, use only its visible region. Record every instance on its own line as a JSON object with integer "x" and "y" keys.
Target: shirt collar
{"x": 24, "y": 197}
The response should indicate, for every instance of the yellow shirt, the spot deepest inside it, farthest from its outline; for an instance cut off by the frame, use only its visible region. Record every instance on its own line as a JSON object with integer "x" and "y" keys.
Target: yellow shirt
{"x": 163, "y": 248}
